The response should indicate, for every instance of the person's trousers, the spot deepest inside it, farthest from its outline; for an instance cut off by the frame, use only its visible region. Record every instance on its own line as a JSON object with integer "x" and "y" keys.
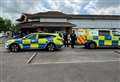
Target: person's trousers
{"x": 66, "y": 43}
{"x": 72, "y": 44}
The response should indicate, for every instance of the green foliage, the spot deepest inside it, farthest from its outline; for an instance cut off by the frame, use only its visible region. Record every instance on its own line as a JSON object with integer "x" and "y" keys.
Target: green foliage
{"x": 7, "y": 25}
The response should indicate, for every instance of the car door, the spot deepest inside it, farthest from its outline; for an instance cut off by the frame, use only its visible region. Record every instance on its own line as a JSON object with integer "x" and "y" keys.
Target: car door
{"x": 42, "y": 38}
{"x": 115, "y": 38}
{"x": 30, "y": 42}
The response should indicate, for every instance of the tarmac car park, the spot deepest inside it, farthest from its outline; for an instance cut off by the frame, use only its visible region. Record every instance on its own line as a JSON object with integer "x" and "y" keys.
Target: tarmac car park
{"x": 49, "y": 41}
{"x": 68, "y": 65}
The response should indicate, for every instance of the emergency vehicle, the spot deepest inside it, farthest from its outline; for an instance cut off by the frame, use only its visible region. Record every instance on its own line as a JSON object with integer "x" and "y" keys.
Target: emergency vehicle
{"x": 81, "y": 36}
{"x": 102, "y": 38}
{"x": 49, "y": 41}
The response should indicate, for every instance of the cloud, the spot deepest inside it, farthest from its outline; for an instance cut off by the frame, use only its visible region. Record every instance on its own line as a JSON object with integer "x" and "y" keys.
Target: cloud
{"x": 104, "y": 7}
{"x": 13, "y": 8}
{"x": 106, "y": 3}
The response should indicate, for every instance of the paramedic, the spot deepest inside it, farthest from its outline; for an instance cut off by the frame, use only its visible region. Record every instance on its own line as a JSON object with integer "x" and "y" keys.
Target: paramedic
{"x": 73, "y": 39}
{"x": 65, "y": 39}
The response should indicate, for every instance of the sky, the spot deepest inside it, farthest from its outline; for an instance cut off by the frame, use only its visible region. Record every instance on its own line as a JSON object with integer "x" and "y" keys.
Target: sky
{"x": 13, "y": 9}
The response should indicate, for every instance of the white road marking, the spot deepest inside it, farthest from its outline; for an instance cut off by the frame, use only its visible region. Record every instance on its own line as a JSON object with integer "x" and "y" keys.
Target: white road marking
{"x": 31, "y": 58}
{"x": 83, "y": 61}
{"x": 116, "y": 51}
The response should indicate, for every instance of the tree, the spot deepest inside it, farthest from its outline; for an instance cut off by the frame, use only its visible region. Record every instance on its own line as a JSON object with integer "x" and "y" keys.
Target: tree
{"x": 7, "y": 25}
{"x": 2, "y": 24}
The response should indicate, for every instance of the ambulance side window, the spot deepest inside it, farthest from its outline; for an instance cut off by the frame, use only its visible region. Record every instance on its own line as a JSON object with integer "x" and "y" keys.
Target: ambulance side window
{"x": 32, "y": 36}
{"x": 45, "y": 36}
{"x": 104, "y": 33}
{"x": 116, "y": 33}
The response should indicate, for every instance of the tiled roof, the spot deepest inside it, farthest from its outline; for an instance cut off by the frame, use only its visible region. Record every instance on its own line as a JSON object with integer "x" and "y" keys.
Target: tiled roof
{"x": 53, "y": 14}
{"x": 56, "y": 14}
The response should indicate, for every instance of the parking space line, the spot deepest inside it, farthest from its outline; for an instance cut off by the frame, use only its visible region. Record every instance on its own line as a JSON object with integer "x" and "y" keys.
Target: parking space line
{"x": 31, "y": 58}
{"x": 85, "y": 61}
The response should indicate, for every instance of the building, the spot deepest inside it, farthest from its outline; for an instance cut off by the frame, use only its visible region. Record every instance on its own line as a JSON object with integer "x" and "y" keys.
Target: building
{"x": 54, "y": 21}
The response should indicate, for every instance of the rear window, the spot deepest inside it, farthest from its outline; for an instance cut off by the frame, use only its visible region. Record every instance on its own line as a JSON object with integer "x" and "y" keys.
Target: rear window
{"x": 104, "y": 33}
{"x": 45, "y": 36}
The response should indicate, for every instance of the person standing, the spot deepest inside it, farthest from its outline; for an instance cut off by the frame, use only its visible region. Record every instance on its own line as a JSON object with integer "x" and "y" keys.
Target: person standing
{"x": 28, "y": 32}
{"x": 14, "y": 34}
{"x": 73, "y": 39}
{"x": 22, "y": 34}
{"x": 65, "y": 39}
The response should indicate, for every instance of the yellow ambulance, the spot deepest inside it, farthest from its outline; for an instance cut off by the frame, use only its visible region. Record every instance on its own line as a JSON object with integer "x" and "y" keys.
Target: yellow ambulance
{"x": 81, "y": 36}
{"x": 103, "y": 38}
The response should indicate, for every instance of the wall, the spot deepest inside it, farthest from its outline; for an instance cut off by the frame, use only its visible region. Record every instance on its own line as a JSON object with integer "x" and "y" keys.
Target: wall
{"x": 53, "y": 20}
{"x": 96, "y": 23}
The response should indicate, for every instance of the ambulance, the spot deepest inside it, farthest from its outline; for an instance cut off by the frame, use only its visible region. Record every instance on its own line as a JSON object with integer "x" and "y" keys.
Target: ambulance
{"x": 81, "y": 36}
{"x": 102, "y": 38}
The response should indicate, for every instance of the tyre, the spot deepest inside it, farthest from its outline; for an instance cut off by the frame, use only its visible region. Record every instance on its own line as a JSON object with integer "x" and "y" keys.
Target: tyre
{"x": 86, "y": 45}
{"x": 92, "y": 45}
{"x": 50, "y": 47}
{"x": 14, "y": 48}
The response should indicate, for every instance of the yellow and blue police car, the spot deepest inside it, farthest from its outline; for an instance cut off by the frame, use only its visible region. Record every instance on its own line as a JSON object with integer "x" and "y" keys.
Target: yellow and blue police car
{"x": 103, "y": 38}
{"x": 49, "y": 41}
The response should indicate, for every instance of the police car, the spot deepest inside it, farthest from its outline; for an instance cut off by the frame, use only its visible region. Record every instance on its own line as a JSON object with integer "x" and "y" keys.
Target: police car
{"x": 103, "y": 38}
{"x": 49, "y": 41}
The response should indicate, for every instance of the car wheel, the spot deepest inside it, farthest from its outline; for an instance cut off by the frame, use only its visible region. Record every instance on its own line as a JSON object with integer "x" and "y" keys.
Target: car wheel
{"x": 86, "y": 45}
{"x": 50, "y": 47}
{"x": 92, "y": 45}
{"x": 14, "y": 48}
